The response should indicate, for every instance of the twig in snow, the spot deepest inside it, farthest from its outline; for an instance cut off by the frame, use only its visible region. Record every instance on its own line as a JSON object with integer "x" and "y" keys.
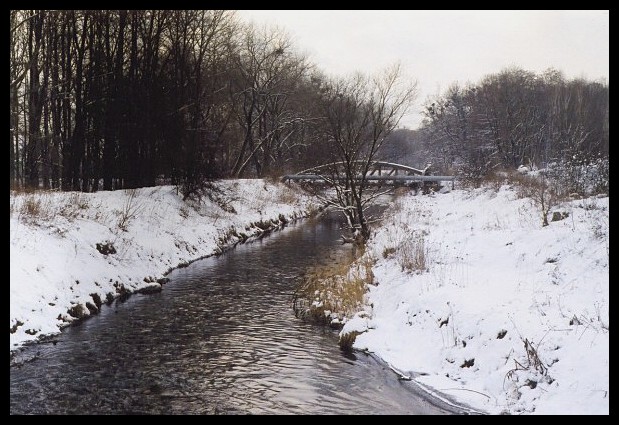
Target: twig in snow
{"x": 465, "y": 389}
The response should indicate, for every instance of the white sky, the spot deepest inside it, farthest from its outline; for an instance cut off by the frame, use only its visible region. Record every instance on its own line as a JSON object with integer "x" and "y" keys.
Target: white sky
{"x": 438, "y": 48}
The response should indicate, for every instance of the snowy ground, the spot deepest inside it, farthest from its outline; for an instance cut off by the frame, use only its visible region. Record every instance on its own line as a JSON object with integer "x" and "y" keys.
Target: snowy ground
{"x": 55, "y": 265}
{"x": 493, "y": 280}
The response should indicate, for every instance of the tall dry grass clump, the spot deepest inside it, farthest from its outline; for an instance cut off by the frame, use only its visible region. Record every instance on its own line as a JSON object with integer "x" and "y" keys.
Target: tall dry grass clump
{"x": 330, "y": 294}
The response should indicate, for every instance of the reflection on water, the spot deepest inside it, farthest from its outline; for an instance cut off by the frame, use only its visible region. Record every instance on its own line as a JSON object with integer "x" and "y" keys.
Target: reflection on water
{"x": 220, "y": 338}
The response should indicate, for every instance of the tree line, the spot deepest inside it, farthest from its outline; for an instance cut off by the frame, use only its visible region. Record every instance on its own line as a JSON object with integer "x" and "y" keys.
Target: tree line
{"x": 514, "y": 118}
{"x": 115, "y": 99}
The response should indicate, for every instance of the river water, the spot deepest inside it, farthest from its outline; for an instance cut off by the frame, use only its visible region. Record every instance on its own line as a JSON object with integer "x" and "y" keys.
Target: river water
{"x": 221, "y": 338}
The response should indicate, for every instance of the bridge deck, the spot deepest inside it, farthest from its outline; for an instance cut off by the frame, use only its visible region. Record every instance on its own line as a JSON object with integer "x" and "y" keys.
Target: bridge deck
{"x": 387, "y": 172}
{"x": 371, "y": 178}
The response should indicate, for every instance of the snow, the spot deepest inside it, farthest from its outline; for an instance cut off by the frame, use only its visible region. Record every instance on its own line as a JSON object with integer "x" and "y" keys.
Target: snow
{"x": 55, "y": 265}
{"x": 494, "y": 278}
{"x": 505, "y": 315}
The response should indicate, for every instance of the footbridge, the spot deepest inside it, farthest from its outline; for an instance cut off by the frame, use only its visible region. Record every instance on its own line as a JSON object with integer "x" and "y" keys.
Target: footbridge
{"x": 388, "y": 173}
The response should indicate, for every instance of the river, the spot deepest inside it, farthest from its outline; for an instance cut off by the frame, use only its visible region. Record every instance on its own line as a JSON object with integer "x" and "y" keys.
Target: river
{"x": 221, "y": 338}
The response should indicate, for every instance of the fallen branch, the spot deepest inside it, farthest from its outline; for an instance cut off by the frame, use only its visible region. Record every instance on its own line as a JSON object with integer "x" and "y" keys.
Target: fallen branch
{"x": 465, "y": 389}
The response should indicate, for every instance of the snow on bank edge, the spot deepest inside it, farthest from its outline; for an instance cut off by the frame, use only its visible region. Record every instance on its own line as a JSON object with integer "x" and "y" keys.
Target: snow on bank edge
{"x": 55, "y": 264}
{"x": 496, "y": 278}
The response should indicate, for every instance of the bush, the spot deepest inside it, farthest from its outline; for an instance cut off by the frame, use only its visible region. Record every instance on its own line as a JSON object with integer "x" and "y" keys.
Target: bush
{"x": 579, "y": 176}
{"x": 600, "y": 176}
{"x": 475, "y": 168}
{"x": 196, "y": 193}
{"x": 542, "y": 192}
{"x": 498, "y": 177}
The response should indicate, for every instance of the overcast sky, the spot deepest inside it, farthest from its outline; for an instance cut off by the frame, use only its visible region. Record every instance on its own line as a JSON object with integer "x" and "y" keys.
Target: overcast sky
{"x": 440, "y": 47}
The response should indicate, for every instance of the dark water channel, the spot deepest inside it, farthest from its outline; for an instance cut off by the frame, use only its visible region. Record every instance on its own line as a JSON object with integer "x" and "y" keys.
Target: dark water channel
{"x": 220, "y": 338}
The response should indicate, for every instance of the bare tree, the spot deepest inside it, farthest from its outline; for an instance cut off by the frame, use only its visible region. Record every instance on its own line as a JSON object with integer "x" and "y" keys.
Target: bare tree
{"x": 119, "y": 99}
{"x": 269, "y": 75}
{"x": 19, "y": 68}
{"x": 360, "y": 113}
{"x": 518, "y": 117}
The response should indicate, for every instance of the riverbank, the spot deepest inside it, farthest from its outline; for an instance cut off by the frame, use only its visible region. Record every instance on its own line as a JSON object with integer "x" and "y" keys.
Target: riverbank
{"x": 476, "y": 300}
{"x": 71, "y": 252}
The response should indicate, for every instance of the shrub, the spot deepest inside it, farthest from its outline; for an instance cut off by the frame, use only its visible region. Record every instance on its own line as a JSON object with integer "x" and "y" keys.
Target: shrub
{"x": 273, "y": 176}
{"x": 196, "y": 192}
{"x": 577, "y": 175}
{"x": 542, "y": 192}
{"x": 497, "y": 177}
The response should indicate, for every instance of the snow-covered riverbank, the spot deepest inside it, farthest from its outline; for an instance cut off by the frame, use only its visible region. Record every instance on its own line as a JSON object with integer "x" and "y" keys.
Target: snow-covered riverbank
{"x": 72, "y": 251}
{"x": 505, "y": 315}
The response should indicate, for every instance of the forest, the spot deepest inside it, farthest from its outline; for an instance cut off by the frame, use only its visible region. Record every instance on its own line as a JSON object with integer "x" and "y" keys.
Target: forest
{"x": 117, "y": 99}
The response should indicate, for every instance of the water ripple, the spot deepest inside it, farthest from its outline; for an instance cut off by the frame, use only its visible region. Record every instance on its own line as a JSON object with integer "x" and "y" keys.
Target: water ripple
{"x": 220, "y": 339}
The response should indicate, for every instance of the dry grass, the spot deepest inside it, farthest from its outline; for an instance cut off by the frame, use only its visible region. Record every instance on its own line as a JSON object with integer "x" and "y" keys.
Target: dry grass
{"x": 38, "y": 207}
{"x": 389, "y": 251}
{"x": 130, "y": 210}
{"x": 32, "y": 207}
{"x": 184, "y": 211}
{"x": 401, "y": 191}
{"x": 76, "y": 205}
{"x": 79, "y": 200}
{"x": 411, "y": 255}
{"x": 288, "y": 196}
{"x": 532, "y": 363}
{"x": 408, "y": 248}
{"x": 544, "y": 192}
{"x": 334, "y": 291}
